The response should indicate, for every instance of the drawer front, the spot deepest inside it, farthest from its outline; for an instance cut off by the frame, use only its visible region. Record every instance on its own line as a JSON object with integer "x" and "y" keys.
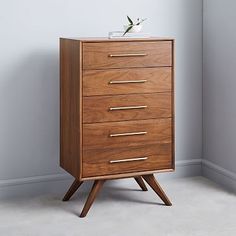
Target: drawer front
{"x": 126, "y": 81}
{"x": 126, "y": 133}
{"x": 127, "y": 54}
{"x": 126, "y": 107}
{"x": 124, "y": 160}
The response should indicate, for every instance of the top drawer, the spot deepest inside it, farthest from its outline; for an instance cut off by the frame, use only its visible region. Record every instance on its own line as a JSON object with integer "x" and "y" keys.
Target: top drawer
{"x": 127, "y": 54}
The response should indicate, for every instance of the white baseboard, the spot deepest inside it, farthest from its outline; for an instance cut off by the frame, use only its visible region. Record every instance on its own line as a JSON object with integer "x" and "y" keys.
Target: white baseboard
{"x": 184, "y": 168}
{"x": 32, "y": 186}
{"x": 219, "y": 175}
{"x": 58, "y": 183}
{"x": 34, "y": 179}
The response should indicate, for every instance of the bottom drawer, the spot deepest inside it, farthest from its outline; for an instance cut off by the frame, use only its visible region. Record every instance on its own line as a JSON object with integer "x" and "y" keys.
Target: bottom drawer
{"x": 127, "y": 160}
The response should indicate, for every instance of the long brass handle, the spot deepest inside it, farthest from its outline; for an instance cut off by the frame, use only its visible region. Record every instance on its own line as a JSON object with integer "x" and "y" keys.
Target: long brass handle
{"x": 128, "y": 55}
{"x": 128, "y": 160}
{"x": 127, "y": 81}
{"x": 128, "y": 134}
{"x": 127, "y": 108}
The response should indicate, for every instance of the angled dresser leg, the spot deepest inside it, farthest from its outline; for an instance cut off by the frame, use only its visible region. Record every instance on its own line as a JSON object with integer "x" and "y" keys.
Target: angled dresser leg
{"x": 92, "y": 195}
{"x": 75, "y": 185}
{"x": 150, "y": 179}
{"x": 141, "y": 183}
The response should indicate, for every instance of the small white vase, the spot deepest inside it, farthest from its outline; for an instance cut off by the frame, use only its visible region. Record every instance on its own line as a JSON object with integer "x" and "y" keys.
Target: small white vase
{"x": 134, "y": 29}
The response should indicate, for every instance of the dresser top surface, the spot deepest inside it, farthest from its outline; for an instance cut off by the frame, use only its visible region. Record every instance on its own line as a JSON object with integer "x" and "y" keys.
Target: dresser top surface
{"x": 105, "y": 39}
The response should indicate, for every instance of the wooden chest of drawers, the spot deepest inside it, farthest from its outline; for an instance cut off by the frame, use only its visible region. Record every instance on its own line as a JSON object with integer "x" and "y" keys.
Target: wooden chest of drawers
{"x": 117, "y": 111}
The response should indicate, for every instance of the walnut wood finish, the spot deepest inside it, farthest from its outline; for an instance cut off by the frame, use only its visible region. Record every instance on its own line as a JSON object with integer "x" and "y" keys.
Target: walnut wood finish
{"x": 150, "y": 179}
{"x": 141, "y": 183}
{"x": 91, "y": 82}
{"x": 96, "y": 55}
{"x": 128, "y": 175}
{"x": 73, "y": 188}
{"x": 158, "y": 157}
{"x": 70, "y": 107}
{"x": 97, "y": 135}
{"x": 138, "y": 107}
{"x": 97, "y": 82}
{"x": 92, "y": 195}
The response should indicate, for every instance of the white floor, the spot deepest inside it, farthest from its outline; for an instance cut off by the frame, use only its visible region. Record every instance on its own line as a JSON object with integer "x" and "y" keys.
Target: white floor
{"x": 200, "y": 208}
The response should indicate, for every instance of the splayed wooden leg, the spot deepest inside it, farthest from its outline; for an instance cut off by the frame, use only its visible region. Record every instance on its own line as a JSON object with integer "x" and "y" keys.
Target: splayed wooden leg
{"x": 141, "y": 183}
{"x": 150, "y": 179}
{"x": 92, "y": 195}
{"x": 75, "y": 185}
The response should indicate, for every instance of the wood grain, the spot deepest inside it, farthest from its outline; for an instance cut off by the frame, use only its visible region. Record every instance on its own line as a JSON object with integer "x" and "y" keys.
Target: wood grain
{"x": 97, "y": 162}
{"x": 98, "y": 135}
{"x": 96, "y": 82}
{"x": 96, "y": 55}
{"x": 97, "y": 108}
{"x": 92, "y": 195}
{"x": 86, "y": 149}
{"x": 70, "y": 107}
{"x": 141, "y": 183}
{"x": 128, "y": 175}
{"x": 73, "y": 188}
{"x": 150, "y": 179}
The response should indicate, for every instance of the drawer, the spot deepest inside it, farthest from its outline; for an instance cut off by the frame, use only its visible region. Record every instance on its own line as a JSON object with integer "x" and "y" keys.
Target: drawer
{"x": 124, "y": 160}
{"x": 126, "y": 81}
{"x": 126, "y": 133}
{"x": 127, "y": 54}
{"x": 126, "y": 107}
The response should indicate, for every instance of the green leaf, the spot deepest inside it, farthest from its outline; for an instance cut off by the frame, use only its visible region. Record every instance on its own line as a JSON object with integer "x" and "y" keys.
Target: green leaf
{"x": 128, "y": 29}
{"x": 130, "y": 21}
{"x": 141, "y": 21}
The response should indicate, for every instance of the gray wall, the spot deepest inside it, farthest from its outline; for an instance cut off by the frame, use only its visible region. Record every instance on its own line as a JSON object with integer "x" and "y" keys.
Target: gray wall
{"x": 219, "y": 85}
{"x": 29, "y": 72}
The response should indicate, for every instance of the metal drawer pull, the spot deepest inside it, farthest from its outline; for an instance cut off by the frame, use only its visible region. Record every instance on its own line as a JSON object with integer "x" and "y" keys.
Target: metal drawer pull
{"x": 128, "y": 55}
{"x": 128, "y": 134}
{"x": 126, "y": 108}
{"x": 128, "y": 160}
{"x": 128, "y": 81}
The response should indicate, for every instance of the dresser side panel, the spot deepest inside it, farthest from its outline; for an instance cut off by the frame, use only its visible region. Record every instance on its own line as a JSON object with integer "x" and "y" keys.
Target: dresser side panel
{"x": 70, "y": 107}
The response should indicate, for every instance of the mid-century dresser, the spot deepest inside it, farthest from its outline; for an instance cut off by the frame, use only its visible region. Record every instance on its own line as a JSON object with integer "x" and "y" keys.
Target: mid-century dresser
{"x": 117, "y": 111}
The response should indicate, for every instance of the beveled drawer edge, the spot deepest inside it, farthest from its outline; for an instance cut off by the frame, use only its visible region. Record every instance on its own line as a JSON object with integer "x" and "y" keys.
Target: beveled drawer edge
{"x": 119, "y": 68}
{"x": 129, "y": 68}
{"x": 166, "y": 91}
{"x": 100, "y": 122}
{"x": 125, "y": 94}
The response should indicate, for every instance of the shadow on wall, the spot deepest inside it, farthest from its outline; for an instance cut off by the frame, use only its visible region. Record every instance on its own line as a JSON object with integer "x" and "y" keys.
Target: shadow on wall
{"x": 30, "y": 117}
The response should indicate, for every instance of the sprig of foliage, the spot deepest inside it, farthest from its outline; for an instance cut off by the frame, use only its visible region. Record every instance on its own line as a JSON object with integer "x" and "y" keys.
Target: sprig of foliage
{"x": 140, "y": 21}
{"x": 128, "y": 29}
{"x": 130, "y": 21}
{"x": 132, "y": 24}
